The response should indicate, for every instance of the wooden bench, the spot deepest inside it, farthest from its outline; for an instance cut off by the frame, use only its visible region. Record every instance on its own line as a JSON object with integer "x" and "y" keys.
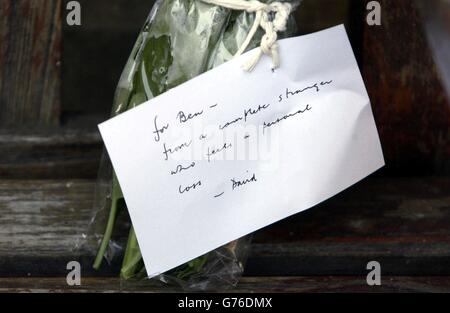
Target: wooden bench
{"x": 49, "y": 157}
{"x": 401, "y": 223}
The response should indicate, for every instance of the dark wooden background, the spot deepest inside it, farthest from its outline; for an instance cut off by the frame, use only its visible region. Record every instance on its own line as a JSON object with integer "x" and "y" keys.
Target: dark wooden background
{"x": 57, "y": 82}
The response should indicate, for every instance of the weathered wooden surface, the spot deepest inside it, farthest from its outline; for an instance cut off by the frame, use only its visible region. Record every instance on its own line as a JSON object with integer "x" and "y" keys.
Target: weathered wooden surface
{"x": 49, "y": 154}
{"x": 343, "y": 284}
{"x": 30, "y": 52}
{"x": 409, "y": 102}
{"x": 436, "y": 17}
{"x": 402, "y": 223}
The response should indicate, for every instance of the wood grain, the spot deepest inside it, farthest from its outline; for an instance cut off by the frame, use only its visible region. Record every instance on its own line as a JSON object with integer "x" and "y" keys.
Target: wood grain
{"x": 402, "y": 223}
{"x": 409, "y": 102}
{"x": 339, "y": 284}
{"x": 30, "y": 52}
{"x": 60, "y": 153}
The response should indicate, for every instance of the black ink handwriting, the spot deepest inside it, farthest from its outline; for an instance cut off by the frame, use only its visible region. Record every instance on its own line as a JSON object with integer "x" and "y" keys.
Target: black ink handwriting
{"x": 222, "y": 127}
{"x": 219, "y": 195}
{"x": 181, "y": 168}
{"x": 285, "y": 117}
{"x": 212, "y": 152}
{"x": 158, "y": 131}
{"x": 249, "y": 112}
{"x": 183, "y": 117}
{"x": 239, "y": 183}
{"x": 168, "y": 151}
{"x": 182, "y": 190}
{"x": 315, "y": 87}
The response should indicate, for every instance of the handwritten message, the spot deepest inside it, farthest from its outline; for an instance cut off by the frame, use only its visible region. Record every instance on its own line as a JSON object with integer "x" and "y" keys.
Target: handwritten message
{"x": 230, "y": 152}
{"x": 246, "y": 115}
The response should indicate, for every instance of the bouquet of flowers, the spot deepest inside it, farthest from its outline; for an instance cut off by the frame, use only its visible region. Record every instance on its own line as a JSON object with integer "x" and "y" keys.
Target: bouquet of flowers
{"x": 180, "y": 40}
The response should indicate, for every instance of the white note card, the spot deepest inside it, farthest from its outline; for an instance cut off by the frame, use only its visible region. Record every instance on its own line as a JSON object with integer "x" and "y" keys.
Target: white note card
{"x": 230, "y": 152}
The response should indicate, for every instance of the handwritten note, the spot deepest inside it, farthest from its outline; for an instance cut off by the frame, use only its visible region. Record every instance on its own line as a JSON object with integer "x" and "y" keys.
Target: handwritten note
{"x": 230, "y": 152}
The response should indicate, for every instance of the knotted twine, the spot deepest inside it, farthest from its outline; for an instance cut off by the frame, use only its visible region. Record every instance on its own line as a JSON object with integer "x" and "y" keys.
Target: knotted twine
{"x": 271, "y": 17}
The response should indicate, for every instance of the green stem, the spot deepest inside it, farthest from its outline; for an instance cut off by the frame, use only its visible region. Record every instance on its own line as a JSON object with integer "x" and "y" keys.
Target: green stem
{"x": 106, "y": 236}
{"x": 132, "y": 261}
{"x": 115, "y": 197}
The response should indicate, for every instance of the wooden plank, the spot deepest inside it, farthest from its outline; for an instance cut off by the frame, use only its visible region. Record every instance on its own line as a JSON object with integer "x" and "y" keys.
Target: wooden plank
{"x": 328, "y": 258}
{"x": 316, "y": 15}
{"x": 409, "y": 102}
{"x": 342, "y": 284}
{"x": 403, "y": 223}
{"x": 400, "y": 223}
{"x": 30, "y": 33}
{"x": 436, "y": 20}
{"x": 60, "y": 153}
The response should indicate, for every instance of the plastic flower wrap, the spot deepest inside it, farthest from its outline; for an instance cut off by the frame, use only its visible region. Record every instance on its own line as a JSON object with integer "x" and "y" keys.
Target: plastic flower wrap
{"x": 180, "y": 40}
